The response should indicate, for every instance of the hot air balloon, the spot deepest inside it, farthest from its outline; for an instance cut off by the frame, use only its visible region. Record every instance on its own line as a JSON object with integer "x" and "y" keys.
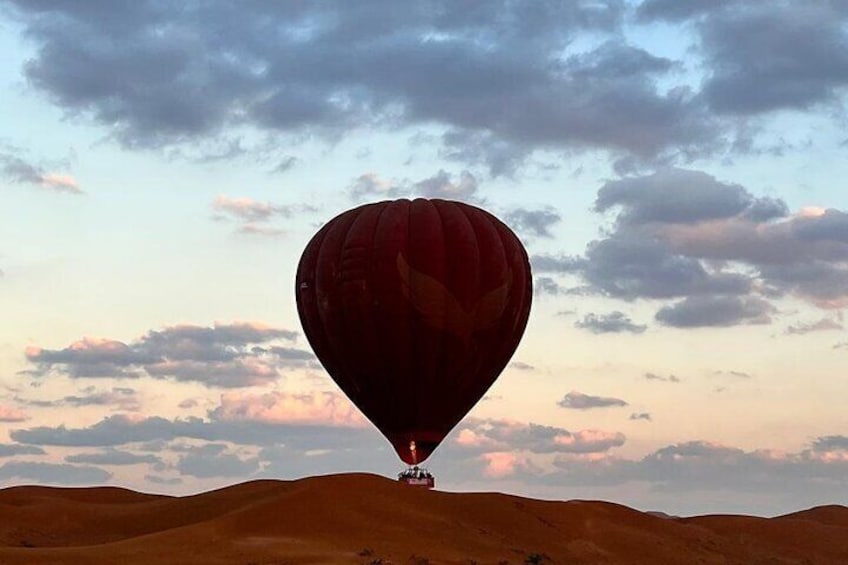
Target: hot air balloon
{"x": 414, "y": 308}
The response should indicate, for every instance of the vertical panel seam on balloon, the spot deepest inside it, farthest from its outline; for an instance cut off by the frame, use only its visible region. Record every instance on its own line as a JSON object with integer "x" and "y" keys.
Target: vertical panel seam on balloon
{"x": 465, "y": 212}
{"x": 376, "y": 329}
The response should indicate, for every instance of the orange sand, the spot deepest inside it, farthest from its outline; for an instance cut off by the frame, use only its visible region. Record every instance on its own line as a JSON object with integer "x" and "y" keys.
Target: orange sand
{"x": 365, "y": 519}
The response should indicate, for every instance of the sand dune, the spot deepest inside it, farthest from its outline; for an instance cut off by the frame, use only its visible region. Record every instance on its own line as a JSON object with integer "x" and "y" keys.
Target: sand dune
{"x": 365, "y": 519}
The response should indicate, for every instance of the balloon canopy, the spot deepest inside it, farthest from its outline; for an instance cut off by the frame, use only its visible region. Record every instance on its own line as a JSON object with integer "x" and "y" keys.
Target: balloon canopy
{"x": 414, "y": 308}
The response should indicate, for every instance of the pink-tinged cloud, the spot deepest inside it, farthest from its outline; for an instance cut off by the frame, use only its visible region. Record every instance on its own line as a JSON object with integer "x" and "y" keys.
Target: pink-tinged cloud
{"x": 811, "y": 211}
{"x": 258, "y": 229}
{"x": 84, "y": 346}
{"x": 772, "y": 454}
{"x": 247, "y": 209}
{"x": 472, "y": 439}
{"x": 313, "y": 408}
{"x": 735, "y": 239}
{"x": 60, "y": 183}
{"x": 88, "y": 347}
{"x": 835, "y": 456}
{"x": 19, "y": 170}
{"x": 804, "y": 236}
{"x": 805, "y": 254}
{"x": 253, "y": 216}
{"x": 828, "y": 449}
{"x": 9, "y": 414}
{"x": 500, "y": 464}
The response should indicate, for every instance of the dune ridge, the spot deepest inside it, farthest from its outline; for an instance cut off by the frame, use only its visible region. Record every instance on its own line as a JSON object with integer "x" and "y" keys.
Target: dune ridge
{"x": 366, "y": 519}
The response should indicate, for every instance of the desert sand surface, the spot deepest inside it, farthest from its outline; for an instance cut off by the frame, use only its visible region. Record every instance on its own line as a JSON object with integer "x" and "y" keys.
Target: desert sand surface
{"x": 366, "y": 519}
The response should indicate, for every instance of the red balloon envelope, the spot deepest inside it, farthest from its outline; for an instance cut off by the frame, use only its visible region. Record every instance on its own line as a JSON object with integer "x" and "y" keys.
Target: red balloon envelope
{"x": 414, "y": 308}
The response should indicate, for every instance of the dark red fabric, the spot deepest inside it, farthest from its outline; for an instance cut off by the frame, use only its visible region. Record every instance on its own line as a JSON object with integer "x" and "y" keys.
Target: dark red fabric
{"x": 414, "y": 308}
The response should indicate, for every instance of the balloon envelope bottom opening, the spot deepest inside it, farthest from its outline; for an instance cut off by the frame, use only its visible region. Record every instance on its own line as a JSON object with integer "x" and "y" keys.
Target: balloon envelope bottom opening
{"x": 415, "y": 447}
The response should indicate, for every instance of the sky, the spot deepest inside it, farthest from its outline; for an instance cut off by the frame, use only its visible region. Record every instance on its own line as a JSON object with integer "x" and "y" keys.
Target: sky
{"x": 675, "y": 170}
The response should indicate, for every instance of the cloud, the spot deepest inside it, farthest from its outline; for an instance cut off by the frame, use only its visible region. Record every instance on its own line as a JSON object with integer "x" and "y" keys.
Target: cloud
{"x": 673, "y": 196}
{"x": 54, "y": 473}
{"x": 560, "y": 264}
{"x": 10, "y": 414}
{"x": 830, "y": 444}
{"x": 498, "y": 83}
{"x": 118, "y": 398}
{"x": 805, "y": 238}
{"x": 768, "y": 58}
{"x": 313, "y": 408}
{"x": 285, "y": 164}
{"x": 702, "y": 466}
{"x": 122, "y": 429}
{"x": 715, "y": 311}
{"x": 641, "y": 416}
{"x": 655, "y": 377}
{"x": 737, "y": 374}
{"x": 261, "y": 230}
{"x": 155, "y": 479}
{"x": 764, "y": 58}
{"x": 499, "y": 464}
{"x": 671, "y": 10}
{"x": 370, "y": 184}
{"x": 521, "y": 366}
{"x": 16, "y": 169}
{"x": 249, "y": 210}
{"x": 218, "y": 150}
{"x": 224, "y": 355}
{"x": 700, "y": 476}
{"x": 549, "y": 286}
{"x": 722, "y": 251}
{"x": 503, "y": 436}
{"x": 441, "y": 185}
{"x": 533, "y": 223}
{"x": 15, "y": 449}
{"x": 590, "y": 441}
{"x": 631, "y": 266}
{"x": 252, "y": 216}
{"x": 786, "y": 253}
{"x": 804, "y": 255}
{"x": 113, "y": 457}
{"x": 647, "y": 256}
{"x": 60, "y": 183}
{"x": 614, "y": 322}
{"x": 211, "y": 460}
{"x": 684, "y": 234}
{"x": 284, "y": 461}
{"x": 578, "y": 401}
{"x": 820, "y": 325}
{"x": 823, "y": 283}
{"x": 225, "y": 374}
{"x": 500, "y": 156}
